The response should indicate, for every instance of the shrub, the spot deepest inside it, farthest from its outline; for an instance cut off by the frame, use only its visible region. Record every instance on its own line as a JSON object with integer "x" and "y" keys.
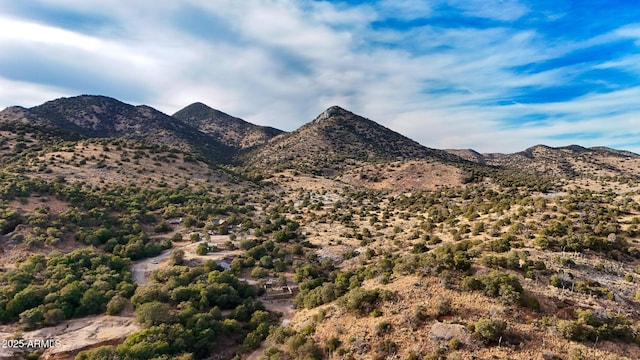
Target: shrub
{"x": 388, "y": 347}
{"x": 177, "y": 257}
{"x": 116, "y": 305}
{"x": 420, "y": 314}
{"x": 443, "y": 306}
{"x": 259, "y": 272}
{"x": 332, "y": 344}
{"x": 490, "y": 330}
{"x": 530, "y": 302}
{"x": 202, "y": 249}
{"x": 496, "y": 284}
{"x": 281, "y": 334}
{"x": 382, "y": 328}
{"x": 419, "y": 248}
{"x": 153, "y": 313}
{"x": 501, "y": 245}
{"x": 99, "y": 353}
{"x": 363, "y": 301}
{"x": 573, "y": 330}
{"x": 162, "y": 227}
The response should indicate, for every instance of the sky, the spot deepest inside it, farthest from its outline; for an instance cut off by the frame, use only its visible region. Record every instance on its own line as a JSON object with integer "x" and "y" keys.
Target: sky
{"x": 491, "y": 75}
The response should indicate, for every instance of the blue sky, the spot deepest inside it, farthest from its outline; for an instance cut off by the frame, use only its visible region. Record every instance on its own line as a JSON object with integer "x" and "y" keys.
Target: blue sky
{"x": 495, "y": 76}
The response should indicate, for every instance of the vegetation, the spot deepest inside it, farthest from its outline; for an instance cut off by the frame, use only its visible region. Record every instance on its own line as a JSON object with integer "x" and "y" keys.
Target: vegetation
{"x": 360, "y": 260}
{"x": 47, "y": 291}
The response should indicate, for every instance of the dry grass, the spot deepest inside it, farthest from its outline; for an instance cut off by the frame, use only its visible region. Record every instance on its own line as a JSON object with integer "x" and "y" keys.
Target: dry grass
{"x": 405, "y": 176}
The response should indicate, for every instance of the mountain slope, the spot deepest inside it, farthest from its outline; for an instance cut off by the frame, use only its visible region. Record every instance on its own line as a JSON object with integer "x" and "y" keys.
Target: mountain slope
{"x": 104, "y": 117}
{"x": 231, "y": 131}
{"x": 339, "y": 138}
{"x": 569, "y": 161}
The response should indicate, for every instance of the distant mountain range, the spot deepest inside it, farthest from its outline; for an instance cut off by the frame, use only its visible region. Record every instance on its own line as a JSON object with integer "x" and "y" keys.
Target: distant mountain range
{"x": 334, "y": 141}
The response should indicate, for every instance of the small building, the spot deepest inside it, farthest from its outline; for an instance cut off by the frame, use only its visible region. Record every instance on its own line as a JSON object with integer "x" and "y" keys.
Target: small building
{"x": 220, "y": 222}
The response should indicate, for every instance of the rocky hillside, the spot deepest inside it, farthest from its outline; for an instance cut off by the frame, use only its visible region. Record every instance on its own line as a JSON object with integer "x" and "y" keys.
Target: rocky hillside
{"x": 231, "y": 131}
{"x": 569, "y": 162}
{"x": 338, "y": 139}
{"x": 104, "y": 117}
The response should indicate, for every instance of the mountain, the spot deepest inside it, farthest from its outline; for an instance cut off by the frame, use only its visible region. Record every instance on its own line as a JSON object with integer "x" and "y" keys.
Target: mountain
{"x": 104, "y": 117}
{"x": 231, "y": 131}
{"x": 566, "y": 162}
{"x": 339, "y": 138}
{"x": 400, "y": 251}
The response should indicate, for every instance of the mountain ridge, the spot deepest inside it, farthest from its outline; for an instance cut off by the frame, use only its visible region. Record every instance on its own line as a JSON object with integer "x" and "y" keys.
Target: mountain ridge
{"x": 230, "y": 130}
{"x": 336, "y": 139}
{"x": 104, "y": 117}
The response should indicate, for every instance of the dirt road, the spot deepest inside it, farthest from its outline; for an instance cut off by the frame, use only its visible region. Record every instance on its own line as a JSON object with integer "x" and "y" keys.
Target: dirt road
{"x": 288, "y": 311}
{"x": 141, "y": 269}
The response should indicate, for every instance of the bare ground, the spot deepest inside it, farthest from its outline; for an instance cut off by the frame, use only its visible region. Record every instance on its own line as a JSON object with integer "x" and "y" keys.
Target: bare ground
{"x": 71, "y": 336}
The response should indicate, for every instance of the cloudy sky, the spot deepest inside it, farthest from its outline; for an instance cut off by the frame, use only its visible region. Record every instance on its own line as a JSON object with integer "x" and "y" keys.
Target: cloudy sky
{"x": 493, "y": 75}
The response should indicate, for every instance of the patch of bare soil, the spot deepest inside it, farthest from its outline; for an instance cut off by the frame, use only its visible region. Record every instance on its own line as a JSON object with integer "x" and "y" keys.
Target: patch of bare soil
{"x": 405, "y": 176}
{"x": 69, "y": 337}
{"x": 295, "y": 180}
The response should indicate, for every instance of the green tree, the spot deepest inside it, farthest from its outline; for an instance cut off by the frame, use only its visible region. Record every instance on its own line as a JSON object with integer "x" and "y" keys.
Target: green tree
{"x": 202, "y": 249}
{"x": 177, "y": 257}
{"x": 92, "y": 302}
{"x": 116, "y": 305}
{"x": 153, "y": 313}
{"x": 99, "y": 353}
{"x": 31, "y": 318}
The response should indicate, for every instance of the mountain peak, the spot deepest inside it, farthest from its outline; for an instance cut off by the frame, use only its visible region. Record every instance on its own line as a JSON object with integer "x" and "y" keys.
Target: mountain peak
{"x": 197, "y": 106}
{"x": 337, "y": 139}
{"x": 331, "y": 112}
{"x": 230, "y": 130}
{"x": 199, "y": 110}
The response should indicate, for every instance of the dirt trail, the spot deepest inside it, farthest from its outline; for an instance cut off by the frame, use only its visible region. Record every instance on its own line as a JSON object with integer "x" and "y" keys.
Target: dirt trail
{"x": 288, "y": 311}
{"x": 141, "y": 269}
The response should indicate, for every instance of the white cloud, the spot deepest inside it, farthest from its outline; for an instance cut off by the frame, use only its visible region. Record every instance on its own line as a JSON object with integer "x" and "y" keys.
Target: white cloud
{"x": 26, "y": 94}
{"x": 281, "y": 62}
{"x": 504, "y": 10}
{"x": 406, "y": 9}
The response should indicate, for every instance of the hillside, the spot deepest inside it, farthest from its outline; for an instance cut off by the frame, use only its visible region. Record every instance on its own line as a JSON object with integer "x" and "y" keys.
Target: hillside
{"x": 231, "y": 131}
{"x": 338, "y": 139}
{"x": 568, "y": 162}
{"x": 120, "y": 238}
{"x": 103, "y": 117}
